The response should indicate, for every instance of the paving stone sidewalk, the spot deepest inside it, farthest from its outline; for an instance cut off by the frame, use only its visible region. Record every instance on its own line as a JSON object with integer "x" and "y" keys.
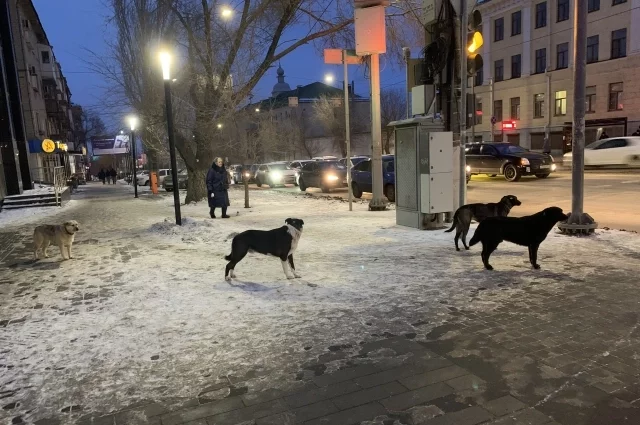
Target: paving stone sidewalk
{"x": 568, "y": 356}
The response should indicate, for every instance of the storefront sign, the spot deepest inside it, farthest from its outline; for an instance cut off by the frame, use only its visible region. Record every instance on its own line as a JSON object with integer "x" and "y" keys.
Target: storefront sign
{"x": 48, "y": 145}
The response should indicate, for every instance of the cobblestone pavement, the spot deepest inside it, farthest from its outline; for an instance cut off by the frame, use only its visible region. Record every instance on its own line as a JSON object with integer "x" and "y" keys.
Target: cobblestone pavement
{"x": 563, "y": 352}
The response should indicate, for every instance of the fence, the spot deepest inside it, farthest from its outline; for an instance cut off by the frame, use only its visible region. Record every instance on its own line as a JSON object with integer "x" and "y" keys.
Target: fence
{"x": 59, "y": 183}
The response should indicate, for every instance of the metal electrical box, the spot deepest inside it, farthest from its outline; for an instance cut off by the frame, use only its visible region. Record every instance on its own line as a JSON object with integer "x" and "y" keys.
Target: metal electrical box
{"x": 424, "y": 172}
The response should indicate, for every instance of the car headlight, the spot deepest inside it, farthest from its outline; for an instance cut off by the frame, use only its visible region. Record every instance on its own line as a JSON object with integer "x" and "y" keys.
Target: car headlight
{"x": 524, "y": 161}
{"x": 332, "y": 177}
{"x": 276, "y": 175}
{"x": 468, "y": 169}
{"x": 553, "y": 167}
{"x": 247, "y": 174}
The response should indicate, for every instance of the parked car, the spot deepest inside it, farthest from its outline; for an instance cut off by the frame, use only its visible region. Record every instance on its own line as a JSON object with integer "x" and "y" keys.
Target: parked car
{"x": 468, "y": 174}
{"x": 143, "y": 179}
{"x": 355, "y": 160}
{"x": 362, "y": 181}
{"x": 326, "y": 175}
{"x": 325, "y": 158}
{"x": 235, "y": 173}
{"x": 182, "y": 181}
{"x": 612, "y": 151}
{"x": 297, "y": 165}
{"x": 275, "y": 174}
{"x": 510, "y": 161}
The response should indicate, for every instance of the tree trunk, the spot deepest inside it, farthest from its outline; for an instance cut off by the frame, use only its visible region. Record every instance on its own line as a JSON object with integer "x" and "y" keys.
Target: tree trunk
{"x": 387, "y": 139}
{"x": 196, "y": 185}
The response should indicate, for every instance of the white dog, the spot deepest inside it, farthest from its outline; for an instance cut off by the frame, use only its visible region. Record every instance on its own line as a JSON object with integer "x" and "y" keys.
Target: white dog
{"x": 61, "y": 235}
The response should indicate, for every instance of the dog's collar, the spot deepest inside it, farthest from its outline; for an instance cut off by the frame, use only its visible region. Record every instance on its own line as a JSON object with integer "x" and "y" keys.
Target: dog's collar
{"x": 65, "y": 229}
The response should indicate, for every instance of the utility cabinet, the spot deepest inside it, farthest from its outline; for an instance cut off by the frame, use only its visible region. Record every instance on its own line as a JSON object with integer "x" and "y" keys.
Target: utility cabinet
{"x": 424, "y": 172}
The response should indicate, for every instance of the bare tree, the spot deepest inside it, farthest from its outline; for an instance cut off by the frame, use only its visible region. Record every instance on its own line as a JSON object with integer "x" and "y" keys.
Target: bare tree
{"x": 330, "y": 113}
{"x": 220, "y": 63}
{"x": 392, "y": 108}
{"x": 91, "y": 125}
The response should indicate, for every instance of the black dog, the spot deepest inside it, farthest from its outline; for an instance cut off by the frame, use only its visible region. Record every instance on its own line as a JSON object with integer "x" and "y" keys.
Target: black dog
{"x": 281, "y": 243}
{"x": 527, "y": 231}
{"x": 464, "y": 214}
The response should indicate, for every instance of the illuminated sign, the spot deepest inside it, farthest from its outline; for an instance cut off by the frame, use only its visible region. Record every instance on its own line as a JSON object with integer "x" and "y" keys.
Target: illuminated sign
{"x": 48, "y": 145}
{"x": 508, "y": 125}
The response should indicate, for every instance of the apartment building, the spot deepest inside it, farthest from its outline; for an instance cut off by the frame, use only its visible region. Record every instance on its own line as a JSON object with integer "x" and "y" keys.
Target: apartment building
{"x": 527, "y": 76}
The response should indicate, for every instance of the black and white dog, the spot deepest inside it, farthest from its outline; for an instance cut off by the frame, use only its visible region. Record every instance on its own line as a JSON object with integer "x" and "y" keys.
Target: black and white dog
{"x": 281, "y": 243}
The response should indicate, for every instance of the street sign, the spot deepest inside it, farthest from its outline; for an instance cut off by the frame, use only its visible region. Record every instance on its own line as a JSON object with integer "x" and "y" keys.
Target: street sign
{"x": 508, "y": 125}
{"x": 334, "y": 57}
{"x": 493, "y": 120}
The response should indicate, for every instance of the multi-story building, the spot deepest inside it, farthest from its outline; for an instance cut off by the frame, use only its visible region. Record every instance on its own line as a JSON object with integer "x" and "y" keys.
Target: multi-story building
{"x": 527, "y": 75}
{"x": 45, "y": 94}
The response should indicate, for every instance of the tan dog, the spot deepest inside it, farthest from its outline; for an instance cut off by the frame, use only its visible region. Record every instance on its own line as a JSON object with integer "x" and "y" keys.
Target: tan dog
{"x": 61, "y": 235}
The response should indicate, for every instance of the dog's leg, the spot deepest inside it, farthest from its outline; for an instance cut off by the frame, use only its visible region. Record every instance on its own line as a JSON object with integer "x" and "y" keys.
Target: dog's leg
{"x": 228, "y": 272}
{"x": 293, "y": 267}
{"x": 465, "y": 230}
{"x": 455, "y": 239}
{"x": 487, "y": 249}
{"x": 62, "y": 252}
{"x": 533, "y": 256}
{"x": 69, "y": 250}
{"x": 45, "y": 248}
{"x": 35, "y": 253}
{"x": 285, "y": 268}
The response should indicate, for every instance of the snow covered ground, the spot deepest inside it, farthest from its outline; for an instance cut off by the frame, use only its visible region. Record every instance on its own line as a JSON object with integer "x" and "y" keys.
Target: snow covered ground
{"x": 142, "y": 287}
{"x": 28, "y": 215}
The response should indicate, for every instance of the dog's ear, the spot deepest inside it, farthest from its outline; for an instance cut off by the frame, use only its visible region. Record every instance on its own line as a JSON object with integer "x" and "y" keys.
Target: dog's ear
{"x": 288, "y": 221}
{"x": 302, "y": 222}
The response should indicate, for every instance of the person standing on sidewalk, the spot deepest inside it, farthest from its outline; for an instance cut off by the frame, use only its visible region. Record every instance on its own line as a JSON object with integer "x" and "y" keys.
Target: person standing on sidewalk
{"x": 114, "y": 174}
{"x": 102, "y": 175}
{"x": 217, "y": 188}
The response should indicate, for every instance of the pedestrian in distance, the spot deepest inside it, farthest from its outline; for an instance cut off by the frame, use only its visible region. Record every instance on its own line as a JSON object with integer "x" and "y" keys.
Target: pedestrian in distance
{"x": 102, "y": 175}
{"x": 217, "y": 188}
{"x": 114, "y": 175}
{"x": 604, "y": 135}
{"x": 637, "y": 132}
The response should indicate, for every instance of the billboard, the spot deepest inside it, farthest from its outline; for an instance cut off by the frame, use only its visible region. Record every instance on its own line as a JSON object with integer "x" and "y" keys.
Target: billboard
{"x": 110, "y": 145}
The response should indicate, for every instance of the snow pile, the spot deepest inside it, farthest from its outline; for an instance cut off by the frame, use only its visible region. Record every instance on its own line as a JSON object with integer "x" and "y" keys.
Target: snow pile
{"x": 28, "y": 215}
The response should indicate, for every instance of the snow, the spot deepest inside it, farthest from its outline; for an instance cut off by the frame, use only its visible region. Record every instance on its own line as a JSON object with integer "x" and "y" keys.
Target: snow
{"x": 142, "y": 286}
{"x": 38, "y": 191}
{"x": 29, "y": 215}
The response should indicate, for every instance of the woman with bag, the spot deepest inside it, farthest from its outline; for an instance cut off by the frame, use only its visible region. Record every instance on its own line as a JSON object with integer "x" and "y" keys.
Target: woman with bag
{"x": 217, "y": 188}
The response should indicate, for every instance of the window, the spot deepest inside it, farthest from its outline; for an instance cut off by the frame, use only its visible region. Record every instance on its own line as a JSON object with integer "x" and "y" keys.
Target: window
{"x": 541, "y": 14}
{"x": 616, "y": 2}
{"x": 515, "y": 108}
{"x": 473, "y": 150}
{"x": 488, "y": 150}
{"x": 615, "y": 97}
{"x": 538, "y": 105}
{"x": 562, "y": 56}
{"x": 516, "y": 66}
{"x": 619, "y": 43}
{"x": 561, "y": 102}
{"x": 498, "y": 29}
{"x": 25, "y": 23}
{"x": 497, "y": 110}
{"x": 591, "y": 99}
{"x": 499, "y": 70}
{"x": 563, "y": 10}
{"x": 516, "y": 23}
{"x": 593, "y": 45}
{"x": 45, "y": 57}
{"x": 478, "y": 112}
{"x": 593, "y": 6}
{"x": 479, "y": 80}
{"x": 541, "y": 60}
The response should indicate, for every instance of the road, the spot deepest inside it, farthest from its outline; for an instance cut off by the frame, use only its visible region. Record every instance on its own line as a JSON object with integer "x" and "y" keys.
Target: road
{"x": 612, "y": 197}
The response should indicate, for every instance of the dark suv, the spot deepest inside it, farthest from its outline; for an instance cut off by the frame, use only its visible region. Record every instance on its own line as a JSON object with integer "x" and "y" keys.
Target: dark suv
{"x": 513, "y": 162}
{"x": 326, "y": 175}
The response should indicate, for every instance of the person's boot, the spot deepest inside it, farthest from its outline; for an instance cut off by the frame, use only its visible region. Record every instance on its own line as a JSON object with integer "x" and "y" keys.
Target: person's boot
{"x": 212, "y": 212}
{"x": 224, "y": 213}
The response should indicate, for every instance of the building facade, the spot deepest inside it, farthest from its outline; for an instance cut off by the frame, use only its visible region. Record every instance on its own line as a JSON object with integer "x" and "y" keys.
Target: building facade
{"x": 527, "y": 75}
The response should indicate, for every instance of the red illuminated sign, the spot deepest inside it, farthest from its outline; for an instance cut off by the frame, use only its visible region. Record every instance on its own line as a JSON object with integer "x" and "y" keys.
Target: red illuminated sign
{"x": 508, "y": 125}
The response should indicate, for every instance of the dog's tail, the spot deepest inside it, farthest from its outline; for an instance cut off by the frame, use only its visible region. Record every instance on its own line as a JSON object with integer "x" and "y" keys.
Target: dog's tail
{"x": 228, "y": 257}
{"x": 477, "y": 236}
{"x": 455, "y": 222}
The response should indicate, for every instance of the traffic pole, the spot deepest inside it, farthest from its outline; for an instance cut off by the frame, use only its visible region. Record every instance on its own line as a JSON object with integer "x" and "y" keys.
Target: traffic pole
{"x": 347, "y": 127}
{"x": 135, "y": 161}
{"x": 378, "y": 202}
{"x": 464, "y": 19}
{"x": 578, "y": 222}
{"x": 172, "y": 152}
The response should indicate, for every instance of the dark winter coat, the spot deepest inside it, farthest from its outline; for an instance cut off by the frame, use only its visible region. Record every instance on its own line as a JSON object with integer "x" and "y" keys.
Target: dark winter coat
{"x": 101, "y": 175}
{"x": 113, "y": 173}
{"x": 218, "y": 183}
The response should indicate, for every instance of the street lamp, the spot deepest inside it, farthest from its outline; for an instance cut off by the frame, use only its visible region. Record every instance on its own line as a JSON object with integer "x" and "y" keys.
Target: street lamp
{"x": 165, "y": 62}
{"x": 133, "y": 123}
{"x": 226, "y": 12}
{"x": 219, "y": 126}
{"x": 328, "y": 78}
{"x": 257, "y": 109}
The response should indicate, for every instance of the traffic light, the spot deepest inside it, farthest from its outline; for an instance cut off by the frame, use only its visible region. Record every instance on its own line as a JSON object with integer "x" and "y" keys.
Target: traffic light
{"x": 474, "y": 43}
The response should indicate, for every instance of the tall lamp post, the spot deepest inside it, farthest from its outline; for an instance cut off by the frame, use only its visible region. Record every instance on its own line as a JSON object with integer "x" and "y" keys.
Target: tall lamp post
{"x": 165, "y": 61}
{"x": 133, "y": 123}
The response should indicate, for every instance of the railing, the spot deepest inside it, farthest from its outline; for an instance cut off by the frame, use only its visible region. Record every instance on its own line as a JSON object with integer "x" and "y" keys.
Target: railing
{"x": 42, "y": 175}
{"x": 59, "y": 183}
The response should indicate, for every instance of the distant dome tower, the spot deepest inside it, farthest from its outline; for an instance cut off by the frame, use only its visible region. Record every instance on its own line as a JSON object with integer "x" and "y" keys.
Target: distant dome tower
{"x": 280, "y": 86}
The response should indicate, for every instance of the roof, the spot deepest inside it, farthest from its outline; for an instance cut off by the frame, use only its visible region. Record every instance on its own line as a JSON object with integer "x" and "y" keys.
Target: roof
{"x": 310, "y": 91}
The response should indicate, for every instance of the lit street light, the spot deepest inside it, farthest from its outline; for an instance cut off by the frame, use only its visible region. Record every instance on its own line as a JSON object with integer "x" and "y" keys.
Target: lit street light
{"x": 257, "y": 109}
{"x": 165, "y": 62}
{"x": 226, "y": 12}
{"x": 328, "y": 79}
{"x": 133, "y": 123}
{"x": 219, "y": 126}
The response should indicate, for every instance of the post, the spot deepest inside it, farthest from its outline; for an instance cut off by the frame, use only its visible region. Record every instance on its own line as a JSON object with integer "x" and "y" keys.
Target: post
{"x": 473, "y": 113}
{"x": 135, "y": 163}
{"x": 172, "y": 151}
{"x": 407, "y": 58}
{"x": 378, "y": 202}
{"x": 245, "y": 181}
{"x": 578, "y": 221}
{"x": 464, "y": 19}
{"x": 347, "y": 126}
{"x": 493, "y": 111}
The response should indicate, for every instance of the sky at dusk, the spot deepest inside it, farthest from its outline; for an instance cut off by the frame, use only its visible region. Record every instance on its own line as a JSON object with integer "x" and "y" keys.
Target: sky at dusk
{"x": 73, "y": 26}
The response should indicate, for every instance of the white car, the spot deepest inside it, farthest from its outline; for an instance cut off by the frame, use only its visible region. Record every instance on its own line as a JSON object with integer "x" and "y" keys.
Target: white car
{"x": 143, "y": 179}
{"x": 297, "y": 166}
{"x": 275, "y": 174}
{"x": 612, "y": 151}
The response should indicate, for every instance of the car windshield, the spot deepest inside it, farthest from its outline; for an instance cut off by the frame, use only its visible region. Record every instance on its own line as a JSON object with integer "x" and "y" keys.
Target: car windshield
{"x": 279, "y": 167}
{"x": 506, "y": 149}
{"x": 594, "y": 144}
{"x": 335, "y": 165}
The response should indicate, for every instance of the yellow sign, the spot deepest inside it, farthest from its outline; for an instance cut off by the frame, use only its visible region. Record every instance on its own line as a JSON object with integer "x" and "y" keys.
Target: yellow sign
{"x": 48, "y": 145}
{"x": 62, "y": 146}
{"x": 84, "y": 150}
